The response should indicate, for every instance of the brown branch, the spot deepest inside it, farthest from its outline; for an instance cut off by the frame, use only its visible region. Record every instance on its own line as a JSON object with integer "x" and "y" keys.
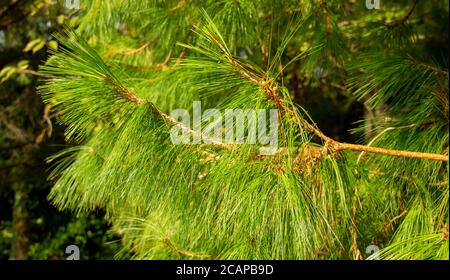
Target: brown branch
{"x": 389, "y": 224}
{"x": 334, "y": 146}
{"x": 266, "y": 50}
{"x": 47, "y": 120}
{"x": 445, "y": 232}
{"x": 179, "y": 5}
{"x": 399, "y": 153}
{"x": 172, "y": 246}
{"x": 135, "y": 51}
{"x": 32, "y": 72}
{"x": 166, "y": 60}
{"x": 327, "y": 16}
{"x": 440, "y": 184}
{"x": 354, "y": 248}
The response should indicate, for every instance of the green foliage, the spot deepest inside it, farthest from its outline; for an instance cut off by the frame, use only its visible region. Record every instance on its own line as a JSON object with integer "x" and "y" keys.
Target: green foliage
{"x": 31, "y": 228}
{"x": 131, "y": 62}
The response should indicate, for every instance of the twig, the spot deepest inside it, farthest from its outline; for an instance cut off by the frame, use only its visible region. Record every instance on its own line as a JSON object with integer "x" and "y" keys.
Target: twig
{"x": 404, "y": 18}
{"x": 445, "y": 232}
{"x": 390, "y": 152}
{"x": 134, "y": 51}
{"x": 172, "y": 246}
{"x": 440, "y": 184}
{"x": 179, "y": 5}
{"x": 327, "y": 16}
{"x": 128, "y": 95}
{"x": 193, "y": 132}
{"x": 391, "y": 221}
{"x": 166, "y": 60}
{"x": 47, "y": 120}
{"x": 354, "y": 249}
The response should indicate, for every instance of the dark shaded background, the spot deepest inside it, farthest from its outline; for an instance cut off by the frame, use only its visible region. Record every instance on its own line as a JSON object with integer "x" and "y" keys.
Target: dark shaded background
{"x": 31, "y": 228}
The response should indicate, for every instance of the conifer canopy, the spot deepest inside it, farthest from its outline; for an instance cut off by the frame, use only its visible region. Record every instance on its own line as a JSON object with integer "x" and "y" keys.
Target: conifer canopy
{"x": 124, "y": 66}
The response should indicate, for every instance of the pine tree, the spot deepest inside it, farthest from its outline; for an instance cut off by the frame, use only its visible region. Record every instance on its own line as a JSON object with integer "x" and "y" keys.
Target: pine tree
{"x": 125, "y": 65}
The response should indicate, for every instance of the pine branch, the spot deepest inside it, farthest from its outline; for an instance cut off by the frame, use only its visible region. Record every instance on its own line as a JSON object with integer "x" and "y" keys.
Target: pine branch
{"x": 354, "y": 248}
{"x": 261, "y": 79}
{"x": 137, "y": 50}
{"x": 324, "y": 6}
{"x": 128, "y": 95}
{"x": 390, "y": 223}
{"x": 404, "y": 18}
{"x": 172, "y": 246}
{"x": 240, "y": 204}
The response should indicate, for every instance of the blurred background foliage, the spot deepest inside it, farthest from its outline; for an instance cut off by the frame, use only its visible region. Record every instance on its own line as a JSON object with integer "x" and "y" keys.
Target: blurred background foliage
{"x": 31, "y": 228}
